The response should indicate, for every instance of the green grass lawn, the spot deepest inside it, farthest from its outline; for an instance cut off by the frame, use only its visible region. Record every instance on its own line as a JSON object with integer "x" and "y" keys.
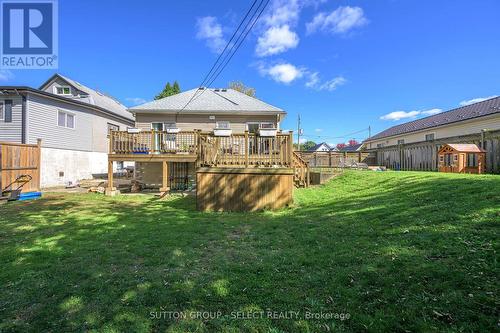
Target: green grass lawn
{"x": 391, "y": 251}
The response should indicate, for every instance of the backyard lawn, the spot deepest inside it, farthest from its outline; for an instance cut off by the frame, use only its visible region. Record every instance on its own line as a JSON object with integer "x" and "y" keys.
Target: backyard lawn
{"x": 377, "y": 251}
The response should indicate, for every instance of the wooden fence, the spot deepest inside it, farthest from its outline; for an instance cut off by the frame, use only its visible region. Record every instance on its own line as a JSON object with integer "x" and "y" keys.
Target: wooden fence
{"x": 424, "y": 155}
{"x": 20, "y": 159}
{"x": 333, "y": 159}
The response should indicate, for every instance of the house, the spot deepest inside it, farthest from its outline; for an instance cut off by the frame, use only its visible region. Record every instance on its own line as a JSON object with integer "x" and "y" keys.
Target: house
{"x": 351, "y": 148}
{"x": 73, "y": 122}
{"x": 222, "y": 112}
{"x": 323, "y": 146}
{"x": 414, "y": 145}
{"x": 461, "y": 158}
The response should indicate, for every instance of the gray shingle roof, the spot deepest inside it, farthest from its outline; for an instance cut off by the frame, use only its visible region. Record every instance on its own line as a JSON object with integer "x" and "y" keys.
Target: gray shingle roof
{"x": 97, "y": 98}
{"x": 352, "y": 148}
{"x": 475, "y": 110}
{"x": 208, "y": 100}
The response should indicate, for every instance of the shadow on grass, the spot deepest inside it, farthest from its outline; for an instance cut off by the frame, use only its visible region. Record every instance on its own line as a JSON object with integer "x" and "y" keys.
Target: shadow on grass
{"x": 396, "y": 251}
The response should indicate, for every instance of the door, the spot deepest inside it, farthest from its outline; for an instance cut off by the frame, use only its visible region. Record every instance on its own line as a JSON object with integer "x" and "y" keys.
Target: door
{"x": 157, "y": 127}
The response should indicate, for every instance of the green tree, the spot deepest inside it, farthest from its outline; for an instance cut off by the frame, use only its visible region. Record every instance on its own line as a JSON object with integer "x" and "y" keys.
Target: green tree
{"x": 169, "y": 90}
{"x": 307, "y": 145}
{"x": 240, "y": 86}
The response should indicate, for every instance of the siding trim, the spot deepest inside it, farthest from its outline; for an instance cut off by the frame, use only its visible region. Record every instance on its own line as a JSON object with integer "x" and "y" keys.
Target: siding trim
{"x": 23, "y": 119}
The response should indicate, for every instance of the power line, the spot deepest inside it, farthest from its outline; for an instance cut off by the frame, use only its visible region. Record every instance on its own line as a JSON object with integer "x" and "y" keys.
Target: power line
{"x": 213, "y": 74}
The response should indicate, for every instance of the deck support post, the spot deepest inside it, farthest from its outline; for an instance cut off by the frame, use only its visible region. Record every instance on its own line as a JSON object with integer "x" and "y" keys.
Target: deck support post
{"x": 164, "y": 189}
{"x": 110, "y": 189}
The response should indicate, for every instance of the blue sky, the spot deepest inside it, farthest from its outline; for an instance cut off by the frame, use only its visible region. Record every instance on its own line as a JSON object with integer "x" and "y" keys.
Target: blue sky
{"x": 343, "y": 65}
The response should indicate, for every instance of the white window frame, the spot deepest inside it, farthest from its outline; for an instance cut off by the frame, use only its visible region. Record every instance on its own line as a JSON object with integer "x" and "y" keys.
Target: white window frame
{"x": 267, "y": 123}
{"x": 66, "y": 113}
{"x": 157, "y": 122}
{"x": 433, "y": 136}
{"x": 62, "y": 87}
{"x": 2, "y": 115}
{"x": 217, "y": 124}
{"x": 401, "y": 141}
{"x": 167, "y": 125}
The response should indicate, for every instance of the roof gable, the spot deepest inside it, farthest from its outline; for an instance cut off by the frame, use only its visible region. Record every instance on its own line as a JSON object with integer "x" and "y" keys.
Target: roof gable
{"x": 91, "y": 96}
{"x": 207, "y": 100}
{"x": 484, "y": 108}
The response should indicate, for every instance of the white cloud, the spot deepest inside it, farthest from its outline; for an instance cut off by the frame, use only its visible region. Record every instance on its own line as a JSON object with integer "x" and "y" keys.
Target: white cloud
{"x": 318, "y": 130}
{"x": 314, "y": 82}
{"x": 432, "y": 112}
{"x": 211, "y": 31}
{"x": 475, "y": 100}
{"x": 303, "y": 140}
{"x": 283, "y": 12}
{"x": 398, "y": 115}
{"x": 6, "y": 75}
{"x": 340, "y": 21}
{"x": 283, "y": 73}
{"x": 332, "y": 84}
{"x": 276, "y": 40}
{"x": 136, "y": 100}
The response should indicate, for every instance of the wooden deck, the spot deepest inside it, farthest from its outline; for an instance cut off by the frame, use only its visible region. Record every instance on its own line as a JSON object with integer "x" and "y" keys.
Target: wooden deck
{"x": 241, "y": 151}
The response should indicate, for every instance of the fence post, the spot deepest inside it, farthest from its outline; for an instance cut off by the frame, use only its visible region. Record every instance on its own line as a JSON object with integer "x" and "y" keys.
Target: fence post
{"x": 246, "y": 149}
{"x": 39, "y": 166}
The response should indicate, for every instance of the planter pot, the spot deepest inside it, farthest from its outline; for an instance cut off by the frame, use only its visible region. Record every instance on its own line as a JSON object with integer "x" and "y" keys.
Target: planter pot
{"x": 267, "y": 132}
{"x": 222, "y": 132}
{"x": 173, "y": 130}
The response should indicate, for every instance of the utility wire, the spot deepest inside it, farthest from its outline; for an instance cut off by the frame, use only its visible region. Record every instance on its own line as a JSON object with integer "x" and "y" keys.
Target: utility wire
{"x": 238, "y": 46}
{"x": 217, "y": 64}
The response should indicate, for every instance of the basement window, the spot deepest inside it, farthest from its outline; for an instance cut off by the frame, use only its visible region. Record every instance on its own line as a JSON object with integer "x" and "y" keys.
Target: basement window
{"x": 429, "y": 137}
{"x": 401, "y": 142}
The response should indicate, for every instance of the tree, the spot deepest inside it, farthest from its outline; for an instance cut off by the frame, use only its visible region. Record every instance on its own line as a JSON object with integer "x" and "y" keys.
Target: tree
{"x": 308, "y": 145}
{"x": 340, "y": 145}
{"x": 169, "y": 90}
{"x": 352, "y": 142}
{"x": 240, "y": 86}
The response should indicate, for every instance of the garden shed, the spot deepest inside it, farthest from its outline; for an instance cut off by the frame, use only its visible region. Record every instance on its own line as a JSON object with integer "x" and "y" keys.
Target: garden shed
{"x": 461, "y": 158}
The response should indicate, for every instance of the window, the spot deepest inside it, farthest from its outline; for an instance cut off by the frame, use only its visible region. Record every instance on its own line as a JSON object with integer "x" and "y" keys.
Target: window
{"x": 169, "y": 125}
{"x": 267, "y": 125}
{"x": 429, "y": 137}
{"x": 223, "y": 125}
{"x": 472, "y": 160}
{"x": 2, "y": 112}
{"x": 65, "y": 119}
{"x": 253, "y": 127}
{"x": 401, "y": 142}
{"x": 447, "y": 160}
{"x": 380, "y": 145}
{"x": 63, "y": 90}
{"x": 113, "y": 127}
{"x": 157, "y": 126}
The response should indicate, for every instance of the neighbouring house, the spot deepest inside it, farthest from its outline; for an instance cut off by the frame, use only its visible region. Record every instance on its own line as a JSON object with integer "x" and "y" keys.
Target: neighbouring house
{"x": 414, "y": 145}
{"x": 351, "y": 148}
{"x": 221, "y": 112}
{"x": 73, "y": 122}
{"x": 461, "y": 158}
{"x": 323, "y": 146}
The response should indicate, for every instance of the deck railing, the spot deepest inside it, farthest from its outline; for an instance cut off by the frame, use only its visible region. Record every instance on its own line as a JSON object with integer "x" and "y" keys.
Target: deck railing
{"x": 153, "y": 142}
{"x": 238, "y": 150}
{"x": 246, "y": 150}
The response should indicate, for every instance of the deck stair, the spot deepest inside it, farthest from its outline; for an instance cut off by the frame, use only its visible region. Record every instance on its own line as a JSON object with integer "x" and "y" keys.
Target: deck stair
{"x": 300, "y": 171}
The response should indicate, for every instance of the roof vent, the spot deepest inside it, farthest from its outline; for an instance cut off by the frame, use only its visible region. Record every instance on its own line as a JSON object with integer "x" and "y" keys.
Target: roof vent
{"x": 201, "y": 88}
{"x": 223, "y": 90}
{"x": 216, "y": 89}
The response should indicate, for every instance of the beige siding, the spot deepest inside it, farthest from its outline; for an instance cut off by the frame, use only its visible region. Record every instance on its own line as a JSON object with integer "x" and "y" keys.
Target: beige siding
{"x": 473, "y": 126}
{"x": 189, "y": 122}
{"x": 12, "y": 131}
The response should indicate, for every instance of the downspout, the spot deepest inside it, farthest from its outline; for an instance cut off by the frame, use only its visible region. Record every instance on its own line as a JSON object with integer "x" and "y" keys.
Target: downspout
{"x": 23, "y": 119}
